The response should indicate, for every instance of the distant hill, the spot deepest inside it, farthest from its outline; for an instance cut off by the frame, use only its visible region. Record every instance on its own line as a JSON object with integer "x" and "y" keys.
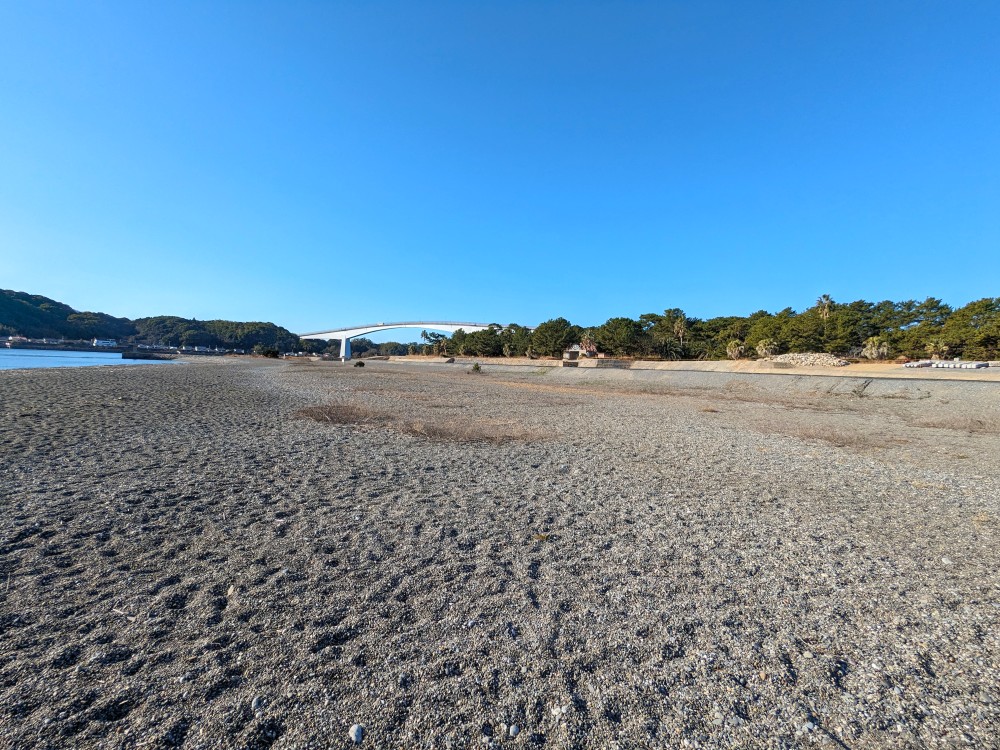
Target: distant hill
{"x": 34, "y": 316}
{"x": 174, "y": 331}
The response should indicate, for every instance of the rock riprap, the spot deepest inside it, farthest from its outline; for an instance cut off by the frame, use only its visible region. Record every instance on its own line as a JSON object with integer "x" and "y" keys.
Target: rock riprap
{"x": 809, "y": 359}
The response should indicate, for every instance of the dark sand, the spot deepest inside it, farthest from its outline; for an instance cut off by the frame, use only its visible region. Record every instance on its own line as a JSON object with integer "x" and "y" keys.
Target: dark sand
{"x": 601, "y": 559}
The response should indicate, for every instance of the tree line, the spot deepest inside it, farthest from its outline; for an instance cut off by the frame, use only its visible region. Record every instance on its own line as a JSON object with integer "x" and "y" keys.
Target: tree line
{"x": 876, "y": 330}
{"x": 873, "y": 330}
{"x": 362, "y": 347}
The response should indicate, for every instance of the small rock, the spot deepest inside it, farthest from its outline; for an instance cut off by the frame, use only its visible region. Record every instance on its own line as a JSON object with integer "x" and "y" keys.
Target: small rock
{"x": 514, "y": 730}
{"x": 487, "y": 730}
{"x": 356, "y": 733}
{"x": 257, "y": 703}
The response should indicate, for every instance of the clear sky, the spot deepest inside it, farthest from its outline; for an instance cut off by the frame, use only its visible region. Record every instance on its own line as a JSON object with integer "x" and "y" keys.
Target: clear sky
{"x": 324, "y": 163}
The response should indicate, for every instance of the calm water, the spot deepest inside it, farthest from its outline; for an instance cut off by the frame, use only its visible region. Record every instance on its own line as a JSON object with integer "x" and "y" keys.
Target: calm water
{"x": 17, "y": 359}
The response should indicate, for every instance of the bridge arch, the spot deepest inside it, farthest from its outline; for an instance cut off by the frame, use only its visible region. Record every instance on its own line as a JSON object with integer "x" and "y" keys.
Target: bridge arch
{"x": 346, "y": 334}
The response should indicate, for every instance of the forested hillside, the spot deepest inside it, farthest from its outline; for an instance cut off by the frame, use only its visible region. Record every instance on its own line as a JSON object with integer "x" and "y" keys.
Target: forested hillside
{"x": 35, "y": 316}
{"x": 174, "y": 331}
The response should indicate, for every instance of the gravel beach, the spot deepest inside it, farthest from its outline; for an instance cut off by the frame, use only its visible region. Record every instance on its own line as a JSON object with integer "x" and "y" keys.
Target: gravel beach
{"x": 254, "y": 554}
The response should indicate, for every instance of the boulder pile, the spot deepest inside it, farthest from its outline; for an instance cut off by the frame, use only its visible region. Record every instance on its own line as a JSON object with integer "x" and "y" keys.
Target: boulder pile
{"x": 809, "y": 359}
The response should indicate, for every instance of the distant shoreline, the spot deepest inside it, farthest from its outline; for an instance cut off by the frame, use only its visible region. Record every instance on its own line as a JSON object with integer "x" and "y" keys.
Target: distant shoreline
{"x": 68, "y": 347}
{"x": 118, "y": 350}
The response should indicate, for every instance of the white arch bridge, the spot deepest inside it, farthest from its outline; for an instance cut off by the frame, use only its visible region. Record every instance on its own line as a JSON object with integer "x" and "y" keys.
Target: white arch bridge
{"x": 346, "y": 334}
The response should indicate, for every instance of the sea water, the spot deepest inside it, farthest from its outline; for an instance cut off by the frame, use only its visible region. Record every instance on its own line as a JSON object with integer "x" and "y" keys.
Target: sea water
{"x": 17, "y": 359}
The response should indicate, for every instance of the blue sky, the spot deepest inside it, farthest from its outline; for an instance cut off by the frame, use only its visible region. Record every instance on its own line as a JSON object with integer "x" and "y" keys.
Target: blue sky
{"x": 324, "y": 163}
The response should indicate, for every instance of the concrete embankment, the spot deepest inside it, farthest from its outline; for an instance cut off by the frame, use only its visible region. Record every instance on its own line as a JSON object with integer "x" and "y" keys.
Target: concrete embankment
{"x": 866, "y": 370}
{"x": 984, "y": 393}
{"x": 977, "y": 397}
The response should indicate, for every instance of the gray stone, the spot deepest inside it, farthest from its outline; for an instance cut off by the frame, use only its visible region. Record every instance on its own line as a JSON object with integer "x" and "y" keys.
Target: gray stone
{"x": 356, "y": 733}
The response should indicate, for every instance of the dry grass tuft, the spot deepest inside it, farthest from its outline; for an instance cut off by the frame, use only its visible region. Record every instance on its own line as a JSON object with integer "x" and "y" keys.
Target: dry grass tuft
{"x": 838, "y": 437}
{"x": 342, "y": 414}
{"x": 960, "y": 424}
{"x": 471, "y": 432}
{"x": 709, "y": 410}
{"x": 461, "y": 431}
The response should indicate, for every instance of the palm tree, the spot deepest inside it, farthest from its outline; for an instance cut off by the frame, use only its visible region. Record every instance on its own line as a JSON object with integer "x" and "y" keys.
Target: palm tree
{"x": 936, "y": 348}
{"x": 670, "y": 349}
{"x": 680, "y": 328}
{"x": 767, "y": 348}
{"x": 875, "y": 348}
{"x": 824, "y": 303}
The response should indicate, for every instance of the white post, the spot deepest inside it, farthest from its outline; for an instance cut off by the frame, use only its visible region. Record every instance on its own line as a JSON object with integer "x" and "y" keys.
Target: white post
{"x": 345, "y": 349}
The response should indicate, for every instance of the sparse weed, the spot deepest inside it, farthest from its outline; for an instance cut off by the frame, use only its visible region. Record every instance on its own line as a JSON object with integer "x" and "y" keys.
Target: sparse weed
{"x": 959, "y": 424}
{"x": 463, "y": 431}
{"x": 342, "y": 414}
{"x": 838, "y": 437}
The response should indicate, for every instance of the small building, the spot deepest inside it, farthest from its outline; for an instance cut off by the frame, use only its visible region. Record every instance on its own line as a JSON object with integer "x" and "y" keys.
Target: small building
{"x": 578, "y": 351}
{"x": 105, "y": 342}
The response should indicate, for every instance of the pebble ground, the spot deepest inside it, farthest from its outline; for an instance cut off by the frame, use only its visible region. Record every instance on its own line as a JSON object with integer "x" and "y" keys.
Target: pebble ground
{"x": 508, "y": 558}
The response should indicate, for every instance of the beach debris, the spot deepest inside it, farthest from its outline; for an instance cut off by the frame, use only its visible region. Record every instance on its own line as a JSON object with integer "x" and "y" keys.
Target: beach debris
{"x": 356, "y": 733}
{"x": 541, "y": 537}
{"x": 949, "y": 364}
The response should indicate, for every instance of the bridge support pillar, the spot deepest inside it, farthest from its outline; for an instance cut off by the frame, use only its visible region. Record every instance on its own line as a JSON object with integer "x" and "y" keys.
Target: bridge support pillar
{"x": 345, "y": 349}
